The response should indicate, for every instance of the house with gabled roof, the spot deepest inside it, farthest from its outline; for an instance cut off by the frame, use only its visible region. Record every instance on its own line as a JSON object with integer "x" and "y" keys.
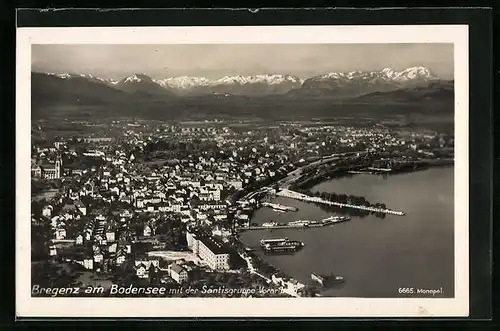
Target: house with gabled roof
{"x": 121, "y": 256}
{"x": 79, "y": 239}
{"x": 47, "y": 211}
{"x": 141, "y": 271}
{"x": 178, "y": 273}
{"x": 60, "y": 233}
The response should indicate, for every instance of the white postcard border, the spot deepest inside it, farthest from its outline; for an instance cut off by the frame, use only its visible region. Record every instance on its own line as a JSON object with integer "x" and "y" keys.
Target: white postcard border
{"x": 26, "y": 306}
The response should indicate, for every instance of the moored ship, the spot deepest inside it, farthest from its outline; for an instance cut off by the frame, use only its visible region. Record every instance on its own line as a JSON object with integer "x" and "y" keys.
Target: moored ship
{"x": 278, "y": 207}
{"x": 327, "y": 221}
{"x": 272, "y": 241}
{"x": 281, "y": 245}
{"x": 299, "y": 223}
{"x": 269, "y": 224}
{"x": 327, "y": 280}
{"x": 334, "y": 219}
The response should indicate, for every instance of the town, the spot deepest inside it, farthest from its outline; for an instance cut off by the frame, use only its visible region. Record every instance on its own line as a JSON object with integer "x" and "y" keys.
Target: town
{"x": 161, "y": 204}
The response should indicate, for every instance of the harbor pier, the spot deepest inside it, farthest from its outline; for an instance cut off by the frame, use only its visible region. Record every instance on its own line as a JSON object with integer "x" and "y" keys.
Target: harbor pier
{"x": 299, "y": 196}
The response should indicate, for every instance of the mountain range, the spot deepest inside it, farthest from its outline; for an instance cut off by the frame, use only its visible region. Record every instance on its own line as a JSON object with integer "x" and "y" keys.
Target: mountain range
{"x": 356, "y": 83}
{"x": 343, "y": 84}
{"x": 416, "y": 85}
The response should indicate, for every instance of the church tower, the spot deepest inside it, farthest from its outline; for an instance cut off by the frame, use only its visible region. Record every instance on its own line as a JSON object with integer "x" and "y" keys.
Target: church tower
{"x": 58, "y": 167}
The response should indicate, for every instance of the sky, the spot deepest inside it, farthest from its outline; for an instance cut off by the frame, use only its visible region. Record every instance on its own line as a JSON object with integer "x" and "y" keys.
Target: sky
{"x": 218, "y": 60}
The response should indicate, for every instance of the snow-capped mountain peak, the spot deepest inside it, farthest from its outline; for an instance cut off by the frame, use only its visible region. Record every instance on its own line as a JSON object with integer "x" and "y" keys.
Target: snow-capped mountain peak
{"x": 186, "y": 82}
{"x": 414, "y": 72}
{"x": 136, "y": 78}
{"x": 86, "y": 76}
{"x": 271, "y": 79}
{"x": 103, "y": 80}
{"x": 183, "y": 82}
{"x": 387, "y": 74}
{"x": 236, "y": 84}
{"x": 353, "y": 82}
{"x": 64, "y": 75}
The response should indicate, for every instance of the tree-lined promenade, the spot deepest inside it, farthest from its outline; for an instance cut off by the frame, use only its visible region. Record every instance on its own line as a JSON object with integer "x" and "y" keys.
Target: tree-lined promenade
{"x": 304, "y": 197}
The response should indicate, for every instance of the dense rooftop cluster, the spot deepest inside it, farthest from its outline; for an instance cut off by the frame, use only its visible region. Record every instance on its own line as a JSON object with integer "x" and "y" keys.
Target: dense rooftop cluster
{"x": 109, "y": 201}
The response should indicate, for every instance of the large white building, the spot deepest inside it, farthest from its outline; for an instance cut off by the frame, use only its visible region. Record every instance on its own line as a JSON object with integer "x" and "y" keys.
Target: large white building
{"x": 212, "y": 252}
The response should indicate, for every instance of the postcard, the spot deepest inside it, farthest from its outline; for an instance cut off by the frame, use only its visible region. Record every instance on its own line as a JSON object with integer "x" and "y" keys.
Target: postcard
{"x": 244, "y": 171}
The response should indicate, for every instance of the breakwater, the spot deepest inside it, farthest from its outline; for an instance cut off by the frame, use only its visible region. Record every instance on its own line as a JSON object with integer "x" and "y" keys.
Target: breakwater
{"x": 299, "y": 196}
{"x": 285, "y": 226}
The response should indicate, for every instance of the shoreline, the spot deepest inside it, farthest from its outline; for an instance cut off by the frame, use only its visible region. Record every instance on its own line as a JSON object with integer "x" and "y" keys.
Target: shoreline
{"x": 265, "y": 263}
{"x": 343, "y": 172}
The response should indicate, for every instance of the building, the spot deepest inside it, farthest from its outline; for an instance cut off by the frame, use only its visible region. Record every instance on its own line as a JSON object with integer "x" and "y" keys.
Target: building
{"x": 192, "y": 242}
{"x": 147, "y": 262}
{"x": 36, "y": 171}
{"x": 81, "y": 207}
{"x": 110, "y": 235}
{"x": 97, "y": 139}
{"x": 52, "y": 250}
{"x": 58, "y": 144}
{"x": 216, "y": 195}
{"x": 178, "y": 273}
{"x": 60, "y": 234}
{"x": 211, "y": 251}
{"x": 47, "y": 211}
{"x": 98, "y": 257}
{"x": 52, "y": 171}
{"x": 113, "y": 247}
{"x": 141, "y": 271}
{"x": 147, "y": 230}
{"x": 121, "y": 256}
{"x": 88, "y": 263}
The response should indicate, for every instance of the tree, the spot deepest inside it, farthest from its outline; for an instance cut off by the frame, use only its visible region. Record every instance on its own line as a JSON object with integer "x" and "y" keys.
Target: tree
{"x": 210, "y": 280}
{"x": 151, "y": 272}
{"x": 219, "y": 278}
{"x": 232, "y": 280}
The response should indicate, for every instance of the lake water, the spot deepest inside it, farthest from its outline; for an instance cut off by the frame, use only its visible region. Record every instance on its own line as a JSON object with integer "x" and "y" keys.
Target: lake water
{"x": 375, "y": 256}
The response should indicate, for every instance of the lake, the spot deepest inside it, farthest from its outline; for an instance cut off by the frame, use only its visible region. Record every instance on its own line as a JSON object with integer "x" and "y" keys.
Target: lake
{"x": 375, "y": 256}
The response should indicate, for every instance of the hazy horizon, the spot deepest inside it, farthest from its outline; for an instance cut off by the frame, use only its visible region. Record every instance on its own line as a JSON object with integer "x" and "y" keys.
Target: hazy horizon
{"x": 218, "y": 60}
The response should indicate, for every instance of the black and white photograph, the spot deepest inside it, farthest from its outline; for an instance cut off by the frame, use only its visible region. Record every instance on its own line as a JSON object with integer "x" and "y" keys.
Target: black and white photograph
{"x": 237, "y": 169}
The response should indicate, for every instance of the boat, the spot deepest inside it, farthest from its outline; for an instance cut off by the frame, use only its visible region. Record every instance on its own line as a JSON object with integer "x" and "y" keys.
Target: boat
{"x": 269, "y": 224}
{"x": 291, "y": 247}
{"x": 278, "y": 207}
{"x": 299, "y": 223}
{"x": 334, "y": 219}
{"x": 327, "y": 280}
{"x": 280, "y": 245}
{"x": 272, "y": 241}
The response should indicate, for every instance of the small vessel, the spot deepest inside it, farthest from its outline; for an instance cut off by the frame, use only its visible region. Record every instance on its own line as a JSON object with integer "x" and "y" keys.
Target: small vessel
{"x": 334, "y": 219}
{"x": 327, "y": 280}
{"x": 273, "y": 241}
{"x": 281, "y": 245}
{"x": 269, "y": 224}
{"x": 278, "y": 207}
{"x": 299, "y": 223}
